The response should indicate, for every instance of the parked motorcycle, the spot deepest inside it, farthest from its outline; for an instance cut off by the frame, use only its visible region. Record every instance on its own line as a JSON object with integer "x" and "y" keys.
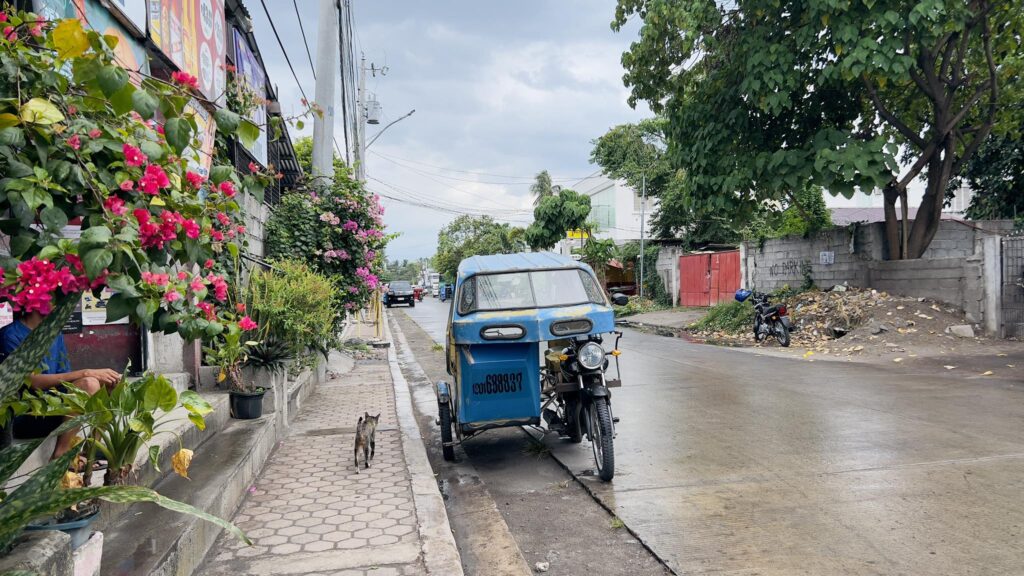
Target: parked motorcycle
{"x": 769, "y": 319}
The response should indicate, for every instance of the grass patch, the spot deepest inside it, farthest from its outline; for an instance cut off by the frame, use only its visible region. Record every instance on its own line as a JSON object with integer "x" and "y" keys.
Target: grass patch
{"x": 617, "y": 523}
{"x": 537, "y": 449}
{"x": 437, "y": 347}
{"x": 637, "y": 305}
{"x": 727, "y": 317}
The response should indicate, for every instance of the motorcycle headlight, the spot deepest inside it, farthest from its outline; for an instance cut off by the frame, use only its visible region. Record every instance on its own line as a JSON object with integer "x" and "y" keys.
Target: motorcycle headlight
{"x": 590, "y": 355}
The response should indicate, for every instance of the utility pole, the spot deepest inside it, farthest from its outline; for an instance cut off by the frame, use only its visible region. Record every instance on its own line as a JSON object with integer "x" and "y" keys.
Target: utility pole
{"x": 360, "y": 159}
{"x": 643, "y": 206}
{"x": 328, "y": 61}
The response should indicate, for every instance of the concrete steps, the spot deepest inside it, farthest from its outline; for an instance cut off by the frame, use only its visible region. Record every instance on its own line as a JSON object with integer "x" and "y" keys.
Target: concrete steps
{"x": 151, "y": 540}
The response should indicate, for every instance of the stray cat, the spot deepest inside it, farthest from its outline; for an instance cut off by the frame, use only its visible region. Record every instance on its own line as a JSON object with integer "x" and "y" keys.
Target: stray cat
{"x": 366, "y": 428}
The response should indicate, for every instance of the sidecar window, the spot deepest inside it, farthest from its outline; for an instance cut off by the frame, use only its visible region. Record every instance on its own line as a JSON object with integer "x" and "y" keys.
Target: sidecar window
{"x": 520, "y": 290}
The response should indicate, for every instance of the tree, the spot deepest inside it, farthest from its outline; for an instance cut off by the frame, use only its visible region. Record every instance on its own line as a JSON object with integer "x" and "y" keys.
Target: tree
{"x": 996, "y": 176}
{"x": 554, "y": 216}
{"x": 541, "y": 187}
{"x": 403, "y": 270}
{"x": 472, "y": 236}
{"x": 768, "y": 97}
{"x": 304, "y": 156}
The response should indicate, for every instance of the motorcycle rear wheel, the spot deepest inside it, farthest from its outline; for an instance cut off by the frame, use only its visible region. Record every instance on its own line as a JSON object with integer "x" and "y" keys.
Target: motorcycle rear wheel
{"x": 759, "y": 335}
{"x": 782, "y": 334}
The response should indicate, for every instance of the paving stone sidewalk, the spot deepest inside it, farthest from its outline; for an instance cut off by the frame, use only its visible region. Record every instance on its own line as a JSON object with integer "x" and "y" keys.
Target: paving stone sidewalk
{"x": 311, "y": 512}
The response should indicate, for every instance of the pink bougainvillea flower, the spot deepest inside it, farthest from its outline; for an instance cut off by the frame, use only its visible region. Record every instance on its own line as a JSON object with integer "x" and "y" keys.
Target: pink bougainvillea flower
{"x": 3, "y": 17}
{"x": 240, "y": 307}
{"x": 191, "y": 228}
{"x": 241, "y": 229}
{"x": 183, "y": 276}
{"x": 207, "y": 309}
{"x": 217, "y": 235}
{"x": 95, "y": 133}
{"x": 115, "y": 205}
{"x": 197, "y": 285}
{"x": 75, "y": 141}
{"x": 208, "y": 264}
{"x": 133, "y": 156}
{"x": 194, "y": 180}
{"x": 350, "y": 226}
{"x": 127, "y": 185}
{"x": 223, "y": 219}
{"x": 10, "y": 34}
{"x": 36, "y": 29}
{"x": 247, "y": 323}
{"x": 228, "y": 189}
{"x": 185, "y": 79}
{"x": 220, "y": 287}
{"x": 172, "y": 296}
{"x": 253, "y": 167}
{"x": 155, "y": 279}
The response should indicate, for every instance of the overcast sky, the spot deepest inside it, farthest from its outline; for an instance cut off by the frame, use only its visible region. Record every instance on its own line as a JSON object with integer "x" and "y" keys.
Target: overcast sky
{"x": 501, "y": 90}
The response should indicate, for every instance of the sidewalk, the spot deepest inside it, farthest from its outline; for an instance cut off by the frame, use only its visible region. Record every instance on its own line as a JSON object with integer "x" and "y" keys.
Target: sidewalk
{"x": 311, "y": 513}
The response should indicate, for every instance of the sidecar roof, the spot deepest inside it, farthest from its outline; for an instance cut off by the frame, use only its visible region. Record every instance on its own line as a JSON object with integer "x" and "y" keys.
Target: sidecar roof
{"x": 520, "y": 262}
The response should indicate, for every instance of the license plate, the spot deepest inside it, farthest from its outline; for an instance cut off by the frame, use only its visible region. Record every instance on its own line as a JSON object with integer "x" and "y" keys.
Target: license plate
{"x": 503, "y": 383}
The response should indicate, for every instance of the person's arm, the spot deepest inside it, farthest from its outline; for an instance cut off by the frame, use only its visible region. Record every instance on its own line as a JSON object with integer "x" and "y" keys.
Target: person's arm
{"x": 106, "y": 377}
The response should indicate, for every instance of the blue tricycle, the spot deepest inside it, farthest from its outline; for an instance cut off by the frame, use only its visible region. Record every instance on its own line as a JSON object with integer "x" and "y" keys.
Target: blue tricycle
{"x": 505, "y": 308}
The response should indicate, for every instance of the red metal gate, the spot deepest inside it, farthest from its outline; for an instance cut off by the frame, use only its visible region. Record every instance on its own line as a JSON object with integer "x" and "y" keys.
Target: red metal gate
{"x": 706, "y": 279}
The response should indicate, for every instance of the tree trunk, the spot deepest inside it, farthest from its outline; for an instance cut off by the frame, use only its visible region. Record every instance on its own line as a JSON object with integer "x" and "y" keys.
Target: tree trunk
{"x": 904, "y": 223}
{"x": 929, "y": 214}
{"x": 892, "y": 233}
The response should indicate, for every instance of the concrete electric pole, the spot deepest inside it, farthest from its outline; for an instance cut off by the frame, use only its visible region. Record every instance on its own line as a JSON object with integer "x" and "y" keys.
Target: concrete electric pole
{"x": 328, "y": 61}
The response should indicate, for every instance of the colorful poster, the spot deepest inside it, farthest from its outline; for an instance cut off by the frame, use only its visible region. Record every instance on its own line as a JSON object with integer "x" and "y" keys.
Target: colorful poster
{"x": 199, "y": 161}
{"x": 250, "y": 71}
{"x": 130, "y": 53}
{"x": 191, "y": 34}
{"x": 94, "y": 310}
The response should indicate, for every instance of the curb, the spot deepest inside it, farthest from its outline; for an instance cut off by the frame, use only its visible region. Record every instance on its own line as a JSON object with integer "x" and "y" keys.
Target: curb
{"x": 440, "y": 555}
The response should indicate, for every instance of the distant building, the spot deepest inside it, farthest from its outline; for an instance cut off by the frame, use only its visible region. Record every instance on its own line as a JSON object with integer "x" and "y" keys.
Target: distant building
{"x": 614, "y": 209}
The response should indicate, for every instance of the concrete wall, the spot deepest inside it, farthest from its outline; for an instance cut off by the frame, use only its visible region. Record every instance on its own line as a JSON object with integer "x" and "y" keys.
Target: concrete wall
{"x": 256, "y": 215}
{"x": 959, "y": 266}
{"x": 668, "y": 269}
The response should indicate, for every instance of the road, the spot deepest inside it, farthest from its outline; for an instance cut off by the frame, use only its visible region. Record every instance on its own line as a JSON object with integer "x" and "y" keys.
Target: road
{"x": 729, "y": 462}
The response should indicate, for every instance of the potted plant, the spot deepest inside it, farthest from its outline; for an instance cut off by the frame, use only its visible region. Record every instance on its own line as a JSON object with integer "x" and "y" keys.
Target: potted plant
{"x": 121, "y": 421}
{"x": 229, "y": 352}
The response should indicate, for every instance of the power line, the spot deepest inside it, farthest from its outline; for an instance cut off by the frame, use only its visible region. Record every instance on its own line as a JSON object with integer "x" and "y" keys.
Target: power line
{"x": 434, "y": 204}
{"x": 289, "y": 62}
{"x": 436, "y": 167}
{"x": 309, "y": 55}
{"x": 483, "y": 210}
{"x": 450, "y": 187}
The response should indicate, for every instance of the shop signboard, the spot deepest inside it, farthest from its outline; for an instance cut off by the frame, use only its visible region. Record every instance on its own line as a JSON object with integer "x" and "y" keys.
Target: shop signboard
{"x": 250, "y": 71}
{"x": 191, "y": 34}
{"x": 129, "y": 52}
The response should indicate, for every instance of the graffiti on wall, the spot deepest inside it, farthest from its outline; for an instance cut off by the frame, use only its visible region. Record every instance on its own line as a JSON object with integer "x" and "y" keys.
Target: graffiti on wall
{"x": 787, "y": 268}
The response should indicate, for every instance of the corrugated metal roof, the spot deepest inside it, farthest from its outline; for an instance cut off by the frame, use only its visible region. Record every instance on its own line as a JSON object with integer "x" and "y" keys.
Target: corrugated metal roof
{"x": 512, "y": 262}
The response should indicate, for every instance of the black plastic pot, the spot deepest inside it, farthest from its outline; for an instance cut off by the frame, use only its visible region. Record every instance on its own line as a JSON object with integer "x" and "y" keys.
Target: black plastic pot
{"x": 247, "y": 405}
{"x": 79, "y": 530}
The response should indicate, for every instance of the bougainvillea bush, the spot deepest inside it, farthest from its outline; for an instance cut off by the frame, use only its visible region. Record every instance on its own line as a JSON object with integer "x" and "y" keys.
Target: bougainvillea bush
{"x": 337, "y": 230}
{"x": 83, "y": 140}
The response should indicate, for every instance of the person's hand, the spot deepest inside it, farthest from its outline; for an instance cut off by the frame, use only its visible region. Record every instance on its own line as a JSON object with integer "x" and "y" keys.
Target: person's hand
{"x": 106, "y": 376}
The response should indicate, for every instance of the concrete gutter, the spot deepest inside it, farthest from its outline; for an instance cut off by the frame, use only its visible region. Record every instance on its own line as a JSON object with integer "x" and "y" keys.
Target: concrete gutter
{"x": 440, "y": 554}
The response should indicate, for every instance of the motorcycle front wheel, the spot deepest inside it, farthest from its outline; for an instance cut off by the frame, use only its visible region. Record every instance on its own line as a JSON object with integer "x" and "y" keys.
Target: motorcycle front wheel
{"x": 782, "y": 334}
{"x": 759, "y": 335}
{"x": 600, "y": 425}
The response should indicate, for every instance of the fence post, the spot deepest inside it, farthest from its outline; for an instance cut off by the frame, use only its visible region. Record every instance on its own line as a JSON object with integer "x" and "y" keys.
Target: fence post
{"x": 992, "y": 280}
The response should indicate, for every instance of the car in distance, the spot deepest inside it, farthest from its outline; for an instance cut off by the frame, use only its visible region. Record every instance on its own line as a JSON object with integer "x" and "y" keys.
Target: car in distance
{"x": 400, "y": 292}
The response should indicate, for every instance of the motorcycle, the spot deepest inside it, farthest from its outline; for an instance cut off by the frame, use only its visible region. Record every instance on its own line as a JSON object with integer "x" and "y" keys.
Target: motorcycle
{"x": 769, "y": 319}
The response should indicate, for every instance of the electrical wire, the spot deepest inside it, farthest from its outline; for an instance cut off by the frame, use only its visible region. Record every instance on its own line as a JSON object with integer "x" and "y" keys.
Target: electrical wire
{"x": 309, "y": 55}
{"x": 289, "y": 62}
{"x": 484, "y": 210}
{"x": 450, "y": 187}
{"x": 411, "y": 197}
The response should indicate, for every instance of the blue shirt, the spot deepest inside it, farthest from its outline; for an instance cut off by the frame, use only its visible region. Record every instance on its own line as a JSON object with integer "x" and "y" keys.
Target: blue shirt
{"x": 56, "y": 360}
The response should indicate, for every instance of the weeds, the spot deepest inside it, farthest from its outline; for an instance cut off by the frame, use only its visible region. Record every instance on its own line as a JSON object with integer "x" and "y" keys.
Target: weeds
{"x": 727, "y": 317}
{"x": 437, "y": 347}
{"x": 617, "y": 523}
{"x": 637, "y": 305}
{"x": 537, "y": 449}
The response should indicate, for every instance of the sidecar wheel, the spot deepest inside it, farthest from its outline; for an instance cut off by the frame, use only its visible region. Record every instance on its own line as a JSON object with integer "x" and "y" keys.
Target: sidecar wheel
{"x": 601, "y": 438}
{"x": 447, "y": 449}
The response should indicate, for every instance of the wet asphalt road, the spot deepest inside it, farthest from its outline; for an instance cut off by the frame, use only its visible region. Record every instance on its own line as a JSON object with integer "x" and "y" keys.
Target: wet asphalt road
{"x": 733, "y": 463}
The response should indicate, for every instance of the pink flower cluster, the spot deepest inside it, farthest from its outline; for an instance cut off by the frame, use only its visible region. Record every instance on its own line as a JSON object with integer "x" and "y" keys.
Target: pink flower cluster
{"x": 247, "y": 323}
{"x": 154, "y": 235}
{"x": 331, "y": 218}
{"x": 350, "y": 226}
{"x": 185, "y": 79}
{"x": 369, "y": 278}
{"x": 336, "y": 255}
{"x": 154, "y": 180}
{"x": 38, "y": 281}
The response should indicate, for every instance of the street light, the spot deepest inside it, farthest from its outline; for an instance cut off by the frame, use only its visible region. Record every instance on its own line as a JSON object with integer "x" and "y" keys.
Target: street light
{"x": 390, "y": 124}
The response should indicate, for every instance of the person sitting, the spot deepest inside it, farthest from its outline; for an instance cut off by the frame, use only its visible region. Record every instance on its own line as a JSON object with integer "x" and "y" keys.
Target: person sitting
{"x": 56, "y": 370}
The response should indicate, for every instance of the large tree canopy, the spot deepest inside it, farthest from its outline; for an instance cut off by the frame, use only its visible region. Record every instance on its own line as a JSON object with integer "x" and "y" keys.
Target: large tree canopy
{"x": 996, "y": 176}
{"x": 554, "y": 216}
{"x": 472, "y": 236}
{"x": 768, "y": 97}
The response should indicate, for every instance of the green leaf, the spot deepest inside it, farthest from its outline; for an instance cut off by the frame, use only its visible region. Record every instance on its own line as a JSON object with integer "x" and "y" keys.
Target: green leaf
{"x": 197, "y": 420}
{"x": 227, "y": 121}
{"x": 111, "y": 79}
{"x": 122, "y": 101}
{"x": 154, "y": 457}
{"x": 118, "y": 306}
{"x": 95, "y": 236}
{"x": 179, "y": 133}
{"x": 144, "y": 103}
{"x": 195, "y": 403}
{"x": 160, "y": 394}
{"x": 7, "y": 119}
{"x": 221, "y": 173}
{"x": 248, "y": 133}
{"x": 96, "y": 261}
{"x": 12, "y": 137}
{"x": 152, "y": 150}
{"x": 53, "y": 218}
{"x": 40, "y": 111}
{"x": 12, "y": 457}
{"x": 21, "y": 244}
{"x": 70, "y": 39}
